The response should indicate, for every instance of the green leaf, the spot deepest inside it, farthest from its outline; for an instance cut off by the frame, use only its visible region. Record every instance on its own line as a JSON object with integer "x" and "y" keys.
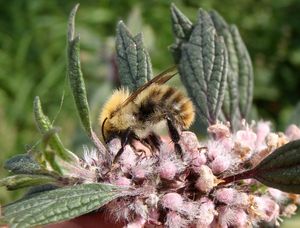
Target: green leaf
{"x": 75, "y": 74}
{"x": 133, "y": 60}
{"x": 22, "y": 164}
{"x": 77, "y": 83}
{"x": 245, "y": 73}
{"x": 181, "y": 25}
{"x": 230, "y": 104}
{"x": 239, "y": 92}
{"x": 25, "y": 180}
{"x": 46, "y": 129}
{"x": 59, "y": 204}
{"x": 281, "y": 169}
{"x": 203, "y": 68}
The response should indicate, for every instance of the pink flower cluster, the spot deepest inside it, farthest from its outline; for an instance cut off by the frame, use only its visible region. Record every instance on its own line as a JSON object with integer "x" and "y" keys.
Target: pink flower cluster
{"x": 171, "y": 191}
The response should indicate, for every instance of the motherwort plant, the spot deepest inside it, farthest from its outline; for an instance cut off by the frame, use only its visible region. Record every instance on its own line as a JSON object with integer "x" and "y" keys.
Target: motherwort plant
{"x": 241, "y": 174}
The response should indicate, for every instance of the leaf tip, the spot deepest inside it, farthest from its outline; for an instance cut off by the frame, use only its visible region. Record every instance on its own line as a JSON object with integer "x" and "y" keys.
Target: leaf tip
{"x": 71, "y": 23}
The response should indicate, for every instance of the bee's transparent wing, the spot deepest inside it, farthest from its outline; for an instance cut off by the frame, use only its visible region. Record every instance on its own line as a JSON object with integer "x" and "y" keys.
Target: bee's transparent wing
{"x": 161, "y": 78}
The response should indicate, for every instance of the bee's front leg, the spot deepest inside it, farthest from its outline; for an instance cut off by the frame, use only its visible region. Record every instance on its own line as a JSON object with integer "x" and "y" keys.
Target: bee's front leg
{"x": 126, "y": 138}
{"x": 175, "y": 137}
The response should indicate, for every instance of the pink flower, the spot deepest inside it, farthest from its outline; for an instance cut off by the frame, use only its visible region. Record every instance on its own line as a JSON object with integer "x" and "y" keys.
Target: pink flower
{"x": 128, "y": 159}
{"x": 167, "y": 170}
{"x": 220, "y": 164}
{"x": 174, "y": 220}
{"x": 206, "y": 213}
{"x": 172, "y": 201}
{"x": 219, "y": 131}
{"x": 215, "y": 148}
{"x": 267, "y": 208}
{"x": 246, "y": 138}
{"x": 293, "y": 132}
{"x": 234, "y": 217}
{"x": 278, "y": 195}
{"x": 189, "y": 142}
{"x": 226, "y": 195}
{"x": 262, "y": 130}
{"x": 121, "y": 181}
{"x": 197, "y": 160}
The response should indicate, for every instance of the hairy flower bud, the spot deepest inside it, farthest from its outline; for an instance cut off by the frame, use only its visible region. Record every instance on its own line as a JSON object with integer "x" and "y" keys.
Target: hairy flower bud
{"x": 219, "y": 130}
{"x": 206, "y": 214}
{"x": 172, "y": 201}
{"x": 174, "y": 220}
{"x": 206, "y": 179}
{"x": 167, "y": 170}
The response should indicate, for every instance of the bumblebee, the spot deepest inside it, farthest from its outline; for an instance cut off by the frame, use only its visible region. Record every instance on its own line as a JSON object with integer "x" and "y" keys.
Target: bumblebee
{"x": 137, "y": 115}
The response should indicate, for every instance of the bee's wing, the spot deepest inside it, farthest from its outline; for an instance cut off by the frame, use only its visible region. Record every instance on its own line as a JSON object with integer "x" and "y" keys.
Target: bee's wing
{"x": 161, "y": 78}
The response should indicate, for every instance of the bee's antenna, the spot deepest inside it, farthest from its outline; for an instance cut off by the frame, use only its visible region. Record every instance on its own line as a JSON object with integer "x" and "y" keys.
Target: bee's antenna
{"x": 102, "y": 129}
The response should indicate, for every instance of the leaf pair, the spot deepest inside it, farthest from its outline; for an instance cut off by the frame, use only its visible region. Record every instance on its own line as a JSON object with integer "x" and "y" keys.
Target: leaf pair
{"x": 214, "y": 66}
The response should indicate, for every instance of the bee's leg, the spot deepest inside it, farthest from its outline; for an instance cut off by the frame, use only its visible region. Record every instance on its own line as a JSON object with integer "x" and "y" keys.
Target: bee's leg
{"x": 154, "y": 141}
{"x": 126, "y": 138}
{"x": 175, "y": 137}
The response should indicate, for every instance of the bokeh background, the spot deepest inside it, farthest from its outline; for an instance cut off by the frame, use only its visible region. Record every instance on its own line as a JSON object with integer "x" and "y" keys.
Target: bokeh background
{"x": 33, "y": 60}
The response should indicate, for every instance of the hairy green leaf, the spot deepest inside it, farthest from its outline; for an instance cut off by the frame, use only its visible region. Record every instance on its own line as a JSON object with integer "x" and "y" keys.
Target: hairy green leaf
{"x": 281, "y": 169}
{"x": 22, "y": 164}
{"x": 77, "y": 82}
{"x": 203, "y": 68}
{"x": 44, "y": 125}
{"x": 230, "y": 104}
{"x": 181, "y": 25}
{"x": 25, "y": 180}
{"x": 75, "y": 74}
{"x": 133, "y": 60}
{"x": 59, "y": 204}
{"x": 245, "y": 73}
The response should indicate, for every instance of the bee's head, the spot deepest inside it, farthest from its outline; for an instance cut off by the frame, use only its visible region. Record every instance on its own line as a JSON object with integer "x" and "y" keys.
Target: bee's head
{"x": 114, "y": 117}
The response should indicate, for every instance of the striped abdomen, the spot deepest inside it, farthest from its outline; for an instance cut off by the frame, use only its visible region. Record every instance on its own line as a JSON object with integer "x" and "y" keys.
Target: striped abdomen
{"x": 159, "y": 102}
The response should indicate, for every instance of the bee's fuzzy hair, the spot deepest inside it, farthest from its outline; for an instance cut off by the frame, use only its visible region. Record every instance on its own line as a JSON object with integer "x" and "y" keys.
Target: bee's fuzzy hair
{"x": 114, "y": 102}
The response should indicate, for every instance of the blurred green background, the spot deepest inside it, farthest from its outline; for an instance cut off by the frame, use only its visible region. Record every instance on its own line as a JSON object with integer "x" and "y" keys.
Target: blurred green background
{"x": 33, "y": 58}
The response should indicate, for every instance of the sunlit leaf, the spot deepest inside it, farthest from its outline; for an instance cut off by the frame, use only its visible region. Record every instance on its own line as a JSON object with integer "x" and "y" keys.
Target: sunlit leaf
{"x": 59, "y": 204}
